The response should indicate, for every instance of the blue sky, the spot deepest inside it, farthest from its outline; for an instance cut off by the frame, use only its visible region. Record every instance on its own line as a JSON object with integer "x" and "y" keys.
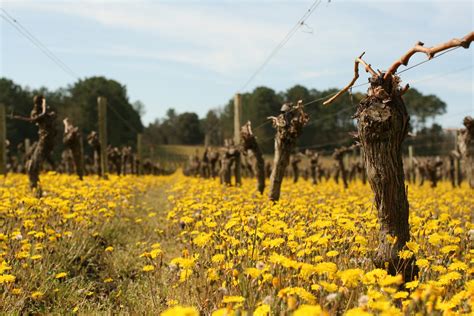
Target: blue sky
{"x": 194, "y": 55}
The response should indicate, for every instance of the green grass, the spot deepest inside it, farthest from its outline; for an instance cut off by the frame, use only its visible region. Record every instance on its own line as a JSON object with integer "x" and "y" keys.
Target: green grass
{"x": 173, "y": 153}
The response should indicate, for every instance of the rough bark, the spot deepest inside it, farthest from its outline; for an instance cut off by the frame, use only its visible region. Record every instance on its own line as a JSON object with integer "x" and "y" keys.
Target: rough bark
{"x": 213, "y": 159}
{"x": 289, "y": 125}
{"x": 205, "y": 168}
{"x": 294, "y": 162}
{"x": 44, "y": 118}
{"x": 93, "y": 141}
{"x": 72, "y": 139}
{"x": 338, "y": 155}
{"x": 249, "y": 142}
{"x": 114, "y": 157}
{"x": 432, "y": 168}
{"x": 465, "y": 135}
{"x": 382, "y": 123}
{"x": 313, "y": 165}
{"x": 230, "y": 157}
{"x": 127, "y": 157}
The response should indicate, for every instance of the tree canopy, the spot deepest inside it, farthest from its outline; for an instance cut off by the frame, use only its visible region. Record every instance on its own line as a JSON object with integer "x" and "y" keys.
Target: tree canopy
{"x": 78, "y": 102}
{"x": 329, "y": 126}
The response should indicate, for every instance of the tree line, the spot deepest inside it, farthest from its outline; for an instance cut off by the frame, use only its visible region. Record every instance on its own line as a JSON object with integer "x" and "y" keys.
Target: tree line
{"x": 78, "y": 102}
{"x": 328, "y": 127}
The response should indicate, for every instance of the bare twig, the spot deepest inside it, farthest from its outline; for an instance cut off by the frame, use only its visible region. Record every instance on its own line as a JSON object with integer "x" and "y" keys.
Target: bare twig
{"x": 429, "y": 51}
{"x": 358, "y": 61}
{"x": 405, "y": 89}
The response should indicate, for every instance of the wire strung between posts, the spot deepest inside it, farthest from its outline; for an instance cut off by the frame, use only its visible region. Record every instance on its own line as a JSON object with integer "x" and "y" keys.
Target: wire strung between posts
{"x": 122, "y": 119}
{"x": 35, "y": 41}
{"x": 366, "y": 83}
{"x": 285, "y": 40}
{"x": 444, "y": 74}
{"x": 427, "y": 60}
{"x": 313, "y": 102}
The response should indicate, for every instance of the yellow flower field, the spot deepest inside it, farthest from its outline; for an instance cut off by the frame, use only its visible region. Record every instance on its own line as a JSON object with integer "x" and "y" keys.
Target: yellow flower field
{"x": 184, "y": 246}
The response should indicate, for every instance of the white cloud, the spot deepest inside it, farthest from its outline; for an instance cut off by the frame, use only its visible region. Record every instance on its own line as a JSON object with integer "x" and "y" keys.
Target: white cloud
{"x": 200, "y": 35}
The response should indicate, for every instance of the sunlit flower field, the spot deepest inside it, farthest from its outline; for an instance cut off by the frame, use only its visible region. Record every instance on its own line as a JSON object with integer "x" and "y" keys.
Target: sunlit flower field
{"x": 188, "y": 246}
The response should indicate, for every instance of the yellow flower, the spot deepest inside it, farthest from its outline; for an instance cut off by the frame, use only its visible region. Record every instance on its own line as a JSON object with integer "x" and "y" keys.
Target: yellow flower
{"x": 457, "y": 266}
{"x": 36, "y": 257}
{"x": 180, "y": 311}
{"x": 350, "y": 277}
{"x": 449, "y": 248}
{"x": 413, "y": 246}
{"x": 218, "y": 258}
{"x": 308, "y": 310}
{"x": 291, "y": 302}
{"x": 374, "y": 276}
{"x": 262, "y": 310}
{"x": 326, "y": 268}
{"x": 202, "y": 239}
{"x": 329, "y": 287}
{"x": 422, "y": 263}
{"x": 332, "y": 253}
{"x": 148, "y": 268}
{"x": 37, "y": 295}
{"x": 405, "y": 254}
{"x": 411, "y": 285}
{"x": 7, "y": 278}
{"x": 449, "y": 277}
{"x": 17, "y": 291}
{"x": 109, "y": 249}
{"x": 391, "y": 280}
{"x": 298, "y": 291}
{"x": 212, "y": 275}
{"x": 253, "y": 272}
{"x": 108, "y": 280}
{"x": 233, "y": 299}
{"x": 401, "y": 294}
{"x": 60, "y": 275}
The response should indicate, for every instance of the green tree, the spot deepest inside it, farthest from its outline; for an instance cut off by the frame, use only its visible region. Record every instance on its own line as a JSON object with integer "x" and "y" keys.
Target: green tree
{"x": 188, "y": 129}
{"x": 422, "y": 107}
{"x": 81, "y": 105}
{"x": 212, "y": 128}
{"x": 19, "y": 102}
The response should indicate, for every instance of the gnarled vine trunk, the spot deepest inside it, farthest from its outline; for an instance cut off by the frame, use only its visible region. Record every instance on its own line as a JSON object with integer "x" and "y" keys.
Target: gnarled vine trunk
{"x": 249, "y": 142}
{"x": 289, "y": 125}
{"x": 382, "y": 123}
{"x": 465, "y": 135}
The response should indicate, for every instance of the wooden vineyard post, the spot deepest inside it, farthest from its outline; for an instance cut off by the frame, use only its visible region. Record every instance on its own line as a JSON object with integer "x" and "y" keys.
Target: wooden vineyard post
{"x": 237, "y": 114}
{"x": 3, "y": 140}
{"x": 81, "y": 163}
{"x": 411, "y": 171}
{"x": 27, "y": 145}
{"x": 102, "y": 103}
{"x": 457, "y": 179}
{"x": 139, "y": 154}
{"x": 207, "y": 140}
